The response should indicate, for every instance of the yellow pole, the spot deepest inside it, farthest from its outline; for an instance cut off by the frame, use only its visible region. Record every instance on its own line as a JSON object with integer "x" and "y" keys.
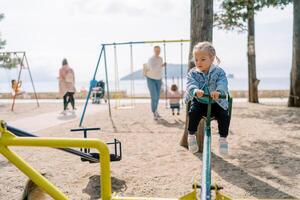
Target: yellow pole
{"x": 8, "y": 139}
{"x": 63, "y": 142}
{"x": 34, "y": 175}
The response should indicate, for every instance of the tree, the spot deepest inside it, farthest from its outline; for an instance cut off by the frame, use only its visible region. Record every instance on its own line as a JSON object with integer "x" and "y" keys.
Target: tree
{"x": 294, "y": 98}
{"x": 2, "y": 42}
{"x": 201, "y": 25}
{"x": 201, "y": 28}
{"x": 235, "y": 14}
{"x": 6, "y": 59}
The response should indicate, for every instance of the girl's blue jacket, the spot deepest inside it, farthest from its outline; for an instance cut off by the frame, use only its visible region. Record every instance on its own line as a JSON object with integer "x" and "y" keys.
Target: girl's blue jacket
{"x": 215, "y": 80}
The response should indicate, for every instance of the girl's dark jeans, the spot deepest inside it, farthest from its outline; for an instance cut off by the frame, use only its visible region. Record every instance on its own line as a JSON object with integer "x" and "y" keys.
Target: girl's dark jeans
{"x": 199, "y": 110}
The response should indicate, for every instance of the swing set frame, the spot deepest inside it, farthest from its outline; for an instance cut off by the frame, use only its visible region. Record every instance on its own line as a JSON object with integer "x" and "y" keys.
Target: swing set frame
{"x": 103, "y": 56}
{"x": 22, "y": 64}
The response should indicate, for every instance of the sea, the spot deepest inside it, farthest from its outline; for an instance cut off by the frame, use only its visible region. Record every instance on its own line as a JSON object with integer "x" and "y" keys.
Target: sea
{"x": 140, "y": 86}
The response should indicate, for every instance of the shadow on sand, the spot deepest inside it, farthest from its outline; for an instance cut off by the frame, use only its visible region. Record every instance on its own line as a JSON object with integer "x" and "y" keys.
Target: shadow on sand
{"x": 177, "y": 124}
{"x": 4, "y": 163}
{"x": 93, "y": 188}
{"x": 242, "y": 179}
{"x": 66, "y": 117}
{"x": 277, "y": 116}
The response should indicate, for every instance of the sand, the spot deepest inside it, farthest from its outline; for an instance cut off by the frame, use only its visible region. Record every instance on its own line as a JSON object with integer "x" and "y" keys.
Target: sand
{"x": 264, "y": 160}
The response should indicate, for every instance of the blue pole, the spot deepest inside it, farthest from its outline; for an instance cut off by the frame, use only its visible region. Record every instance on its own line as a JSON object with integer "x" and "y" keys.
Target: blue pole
{"x": 206, "y": 159}
{"x": 107, "y": 86}
{"x": 90, "y": 88}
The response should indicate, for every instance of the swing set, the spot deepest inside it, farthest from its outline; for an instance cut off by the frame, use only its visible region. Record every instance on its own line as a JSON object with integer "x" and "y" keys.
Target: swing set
{"x": 12, "y": 59}
{"x": 118, "y": 94}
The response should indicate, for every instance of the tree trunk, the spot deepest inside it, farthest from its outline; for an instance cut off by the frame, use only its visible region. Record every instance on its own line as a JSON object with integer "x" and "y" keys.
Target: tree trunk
{"x": 252, "y": 80}
{"x": 201, "y": 30}
{"x": 294, "y": 98}
{"x": 201, "y": 25}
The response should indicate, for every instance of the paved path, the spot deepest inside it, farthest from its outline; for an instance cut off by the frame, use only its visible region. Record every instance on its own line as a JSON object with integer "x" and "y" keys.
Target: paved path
{"x": 47, "y": 120}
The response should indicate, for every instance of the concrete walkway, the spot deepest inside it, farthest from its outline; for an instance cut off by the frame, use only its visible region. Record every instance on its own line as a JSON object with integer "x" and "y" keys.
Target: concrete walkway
{"x": 47, "y": 120}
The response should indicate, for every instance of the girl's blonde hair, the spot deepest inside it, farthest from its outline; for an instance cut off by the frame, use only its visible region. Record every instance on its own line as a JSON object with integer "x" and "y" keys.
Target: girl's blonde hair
{"x": 208, "y": 47}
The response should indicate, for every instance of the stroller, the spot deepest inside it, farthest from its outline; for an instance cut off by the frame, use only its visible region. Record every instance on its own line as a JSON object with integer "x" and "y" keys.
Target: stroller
{"x": 98, "y": 91}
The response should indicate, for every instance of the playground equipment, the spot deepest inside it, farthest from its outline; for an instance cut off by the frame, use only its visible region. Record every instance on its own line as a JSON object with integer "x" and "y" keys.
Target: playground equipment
{"x": 19, "y": 59}
{"x": 206, "y": 186}
{"x": 103, "y": 57}
{"x": 85, "y": 156}
{"x": 118, "y": 92}
{"x": 9, "y": 139}
{"x": 116, "y": 156}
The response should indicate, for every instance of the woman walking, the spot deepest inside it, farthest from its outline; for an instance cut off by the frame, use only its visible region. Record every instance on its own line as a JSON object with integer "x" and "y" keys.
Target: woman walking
{"x": 153, "y": 73}
{"x": 67, "y": 85}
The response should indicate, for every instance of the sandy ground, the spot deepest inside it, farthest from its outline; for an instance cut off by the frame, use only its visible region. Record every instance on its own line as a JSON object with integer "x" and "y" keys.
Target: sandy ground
{"x": 264, "y": 159}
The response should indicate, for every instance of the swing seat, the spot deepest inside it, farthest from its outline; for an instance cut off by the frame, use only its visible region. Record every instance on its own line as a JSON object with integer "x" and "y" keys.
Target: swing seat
{"x": 175, "y": 106}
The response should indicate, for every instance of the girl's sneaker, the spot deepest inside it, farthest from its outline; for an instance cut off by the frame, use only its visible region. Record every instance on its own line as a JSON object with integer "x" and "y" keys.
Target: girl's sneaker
{"x": 192, "y": 143}
{"x": 223, "y": 146}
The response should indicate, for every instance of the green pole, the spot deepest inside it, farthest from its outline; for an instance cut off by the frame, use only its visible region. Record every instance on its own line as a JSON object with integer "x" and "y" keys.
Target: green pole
{"x": 206, "y": 159}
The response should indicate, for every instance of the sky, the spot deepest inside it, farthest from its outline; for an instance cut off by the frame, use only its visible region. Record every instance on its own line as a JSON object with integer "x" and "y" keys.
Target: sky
{"x": 51, "y": 30}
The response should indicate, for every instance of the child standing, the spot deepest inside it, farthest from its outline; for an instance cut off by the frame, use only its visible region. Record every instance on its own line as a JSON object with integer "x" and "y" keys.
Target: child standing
{"x": 16, "y": 88}
{"x": 207, "y": 78}
{"x": 174, "y": 98}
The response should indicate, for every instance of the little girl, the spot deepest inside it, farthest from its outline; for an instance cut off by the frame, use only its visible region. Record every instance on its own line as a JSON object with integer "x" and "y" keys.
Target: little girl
{"x": 207, "y": 78}
{"x": 174, "y": 98}
{"x": 16, "y": 88}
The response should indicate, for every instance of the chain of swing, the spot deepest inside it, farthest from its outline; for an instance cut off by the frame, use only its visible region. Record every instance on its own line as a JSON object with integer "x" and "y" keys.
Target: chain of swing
{"x": 118, "y": 93}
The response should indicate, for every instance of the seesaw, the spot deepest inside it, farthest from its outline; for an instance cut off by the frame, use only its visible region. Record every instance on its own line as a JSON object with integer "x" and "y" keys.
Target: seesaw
{"x": 7, "y": 139}
{"x": 85, "y": 155}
